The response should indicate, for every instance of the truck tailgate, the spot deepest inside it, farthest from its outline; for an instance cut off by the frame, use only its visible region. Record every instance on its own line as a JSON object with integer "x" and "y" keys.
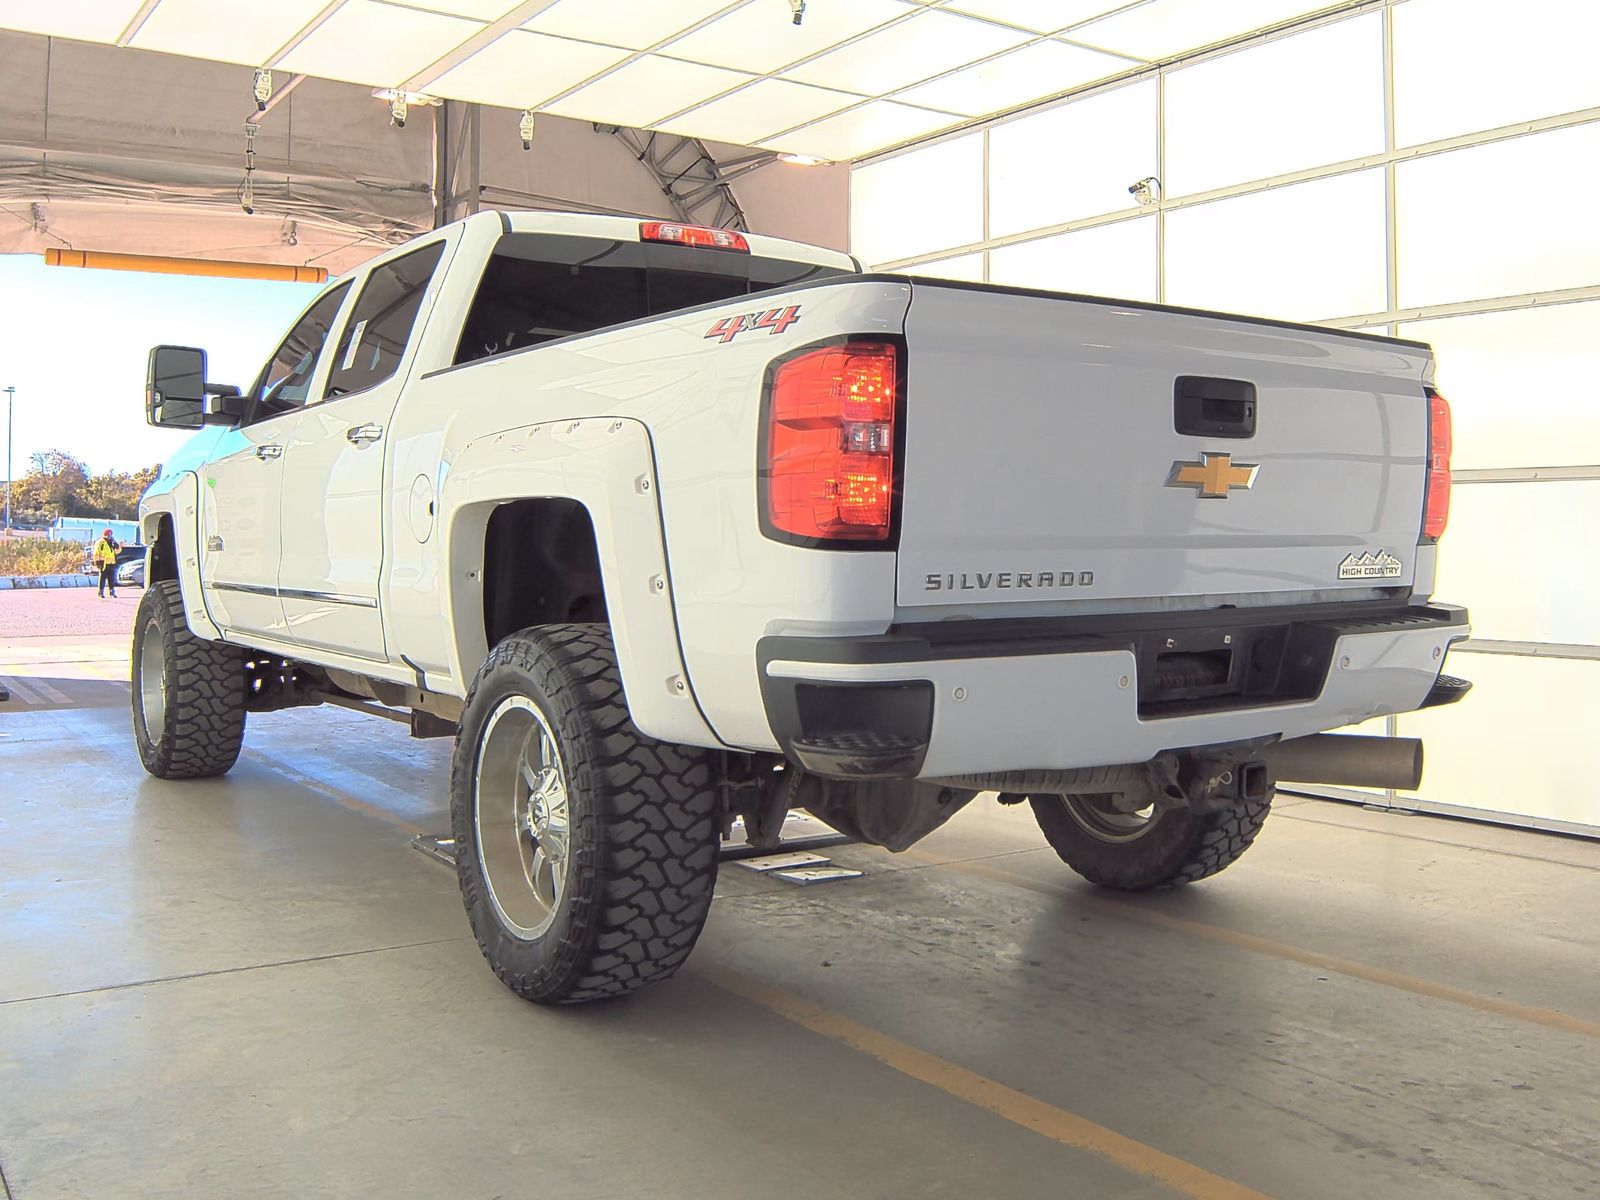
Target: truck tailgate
{"x": 1061, "y": 448}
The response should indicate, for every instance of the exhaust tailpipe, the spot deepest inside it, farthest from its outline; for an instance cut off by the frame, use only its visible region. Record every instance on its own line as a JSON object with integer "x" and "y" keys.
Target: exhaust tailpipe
{"x": 1347, "y": 760}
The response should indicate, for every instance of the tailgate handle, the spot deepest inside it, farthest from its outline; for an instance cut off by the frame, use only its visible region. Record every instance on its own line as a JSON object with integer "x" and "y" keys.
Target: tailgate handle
{"x": 1214, "y": 408}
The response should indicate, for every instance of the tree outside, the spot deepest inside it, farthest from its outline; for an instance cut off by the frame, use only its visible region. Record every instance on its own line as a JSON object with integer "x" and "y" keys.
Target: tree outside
{"x": 60, "y": 485}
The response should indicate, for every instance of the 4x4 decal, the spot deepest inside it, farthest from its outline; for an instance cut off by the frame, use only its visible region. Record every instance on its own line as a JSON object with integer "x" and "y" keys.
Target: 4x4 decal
{"x": 774, "y": 320}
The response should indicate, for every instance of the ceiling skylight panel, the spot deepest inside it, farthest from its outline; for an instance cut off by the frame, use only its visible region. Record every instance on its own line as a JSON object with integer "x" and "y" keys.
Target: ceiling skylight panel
{"x": 1031, "y": 73}
{"x": 907, "y": 52}
{"x": 762, "y": 36}
{"x": 379, "y": 44}
{"x": 637, "y": 24}
{"x": 645, "y": 91}
{"x": 521, "y": 69}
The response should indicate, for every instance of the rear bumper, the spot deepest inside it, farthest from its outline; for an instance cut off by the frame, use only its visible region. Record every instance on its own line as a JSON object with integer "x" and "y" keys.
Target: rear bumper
{"x": 961, "y": 698}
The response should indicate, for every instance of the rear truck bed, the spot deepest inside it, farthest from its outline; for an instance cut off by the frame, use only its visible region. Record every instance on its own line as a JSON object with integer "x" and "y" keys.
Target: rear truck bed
{"x": 1125, "y": 529}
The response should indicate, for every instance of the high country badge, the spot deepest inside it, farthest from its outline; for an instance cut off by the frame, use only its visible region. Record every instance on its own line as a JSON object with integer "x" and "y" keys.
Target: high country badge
{"x": 1374, "y": 564}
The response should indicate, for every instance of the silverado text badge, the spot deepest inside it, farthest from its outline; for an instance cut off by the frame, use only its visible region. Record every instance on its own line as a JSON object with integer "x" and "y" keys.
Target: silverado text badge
{"x": 1213, "y": 475}
{"x": 1374, "y": 564}
{"x": 983, "y": 581}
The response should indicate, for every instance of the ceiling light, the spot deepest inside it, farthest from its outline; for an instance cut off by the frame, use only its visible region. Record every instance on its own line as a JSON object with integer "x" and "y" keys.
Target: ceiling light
{"x": 803, "y": 160}
{"x": 1146, "y": 191}
{"x": 398, "y": 102}
{"x": 393, "y": 94}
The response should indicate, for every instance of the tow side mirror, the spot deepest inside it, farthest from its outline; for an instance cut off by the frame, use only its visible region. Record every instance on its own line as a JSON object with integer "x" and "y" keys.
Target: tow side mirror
{"x": 175, "y": 387}
{"x": 177, "y": 396}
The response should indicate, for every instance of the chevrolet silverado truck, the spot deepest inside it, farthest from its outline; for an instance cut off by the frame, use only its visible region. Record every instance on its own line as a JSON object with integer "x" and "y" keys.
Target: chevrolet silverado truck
{"x": 673, "y": 529}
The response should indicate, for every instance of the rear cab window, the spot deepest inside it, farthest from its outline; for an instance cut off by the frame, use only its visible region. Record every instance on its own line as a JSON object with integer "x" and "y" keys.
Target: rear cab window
{"x": 538, "y": 287}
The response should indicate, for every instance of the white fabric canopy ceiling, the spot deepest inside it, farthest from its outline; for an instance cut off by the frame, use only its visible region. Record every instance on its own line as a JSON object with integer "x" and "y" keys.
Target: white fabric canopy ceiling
{"x": 106, "y": 149}
{"x": 856, "y": 77}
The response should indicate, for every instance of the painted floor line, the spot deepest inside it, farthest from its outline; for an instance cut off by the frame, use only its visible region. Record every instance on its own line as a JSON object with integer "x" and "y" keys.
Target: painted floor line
{"x": 1057, "y": 1124}
{"x": 1433, "y": 841}
{"x": 51, "y": 694}
{"x": 1548, "y": 1017}
{"x": 21, "y": 691}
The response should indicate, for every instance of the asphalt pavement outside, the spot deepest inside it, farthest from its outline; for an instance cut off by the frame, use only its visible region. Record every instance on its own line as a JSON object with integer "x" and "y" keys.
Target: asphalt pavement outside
{"x": 67, "y": 612}
{"x": 254, "y": 987}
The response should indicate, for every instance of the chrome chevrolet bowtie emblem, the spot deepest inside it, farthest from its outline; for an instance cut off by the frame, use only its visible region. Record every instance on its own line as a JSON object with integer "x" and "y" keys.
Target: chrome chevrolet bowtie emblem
{"x": 1213, "y": 476}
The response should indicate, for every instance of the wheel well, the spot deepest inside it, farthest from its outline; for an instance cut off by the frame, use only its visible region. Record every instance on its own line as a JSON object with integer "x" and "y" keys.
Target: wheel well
{"x": 541, "y": 565}
{"x": 163, "y": 553}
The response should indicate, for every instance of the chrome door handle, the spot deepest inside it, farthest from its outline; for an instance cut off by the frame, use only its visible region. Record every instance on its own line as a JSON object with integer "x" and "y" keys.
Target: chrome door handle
{"x": 361, "y": 435}
{"x": 270, "y": 450}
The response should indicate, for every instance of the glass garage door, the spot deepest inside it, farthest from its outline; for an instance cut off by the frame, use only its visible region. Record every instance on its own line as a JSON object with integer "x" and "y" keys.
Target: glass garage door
{"x": 1354, "y": 169}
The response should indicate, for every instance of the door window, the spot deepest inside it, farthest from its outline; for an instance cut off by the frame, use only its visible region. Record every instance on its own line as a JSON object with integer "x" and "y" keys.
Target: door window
{"x": 375, "y": 336}
{"x": 284, "y": 382}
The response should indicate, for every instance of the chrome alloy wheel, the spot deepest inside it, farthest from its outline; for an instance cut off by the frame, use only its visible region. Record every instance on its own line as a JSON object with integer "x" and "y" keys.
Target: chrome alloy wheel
{"x": 520, "y": 819}
{"x": 153, "y": 682}
{"x": 1101, "y": 818}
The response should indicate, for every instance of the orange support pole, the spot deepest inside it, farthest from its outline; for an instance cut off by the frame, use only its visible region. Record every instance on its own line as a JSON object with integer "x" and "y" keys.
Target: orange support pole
{"x": 105, "y": 260}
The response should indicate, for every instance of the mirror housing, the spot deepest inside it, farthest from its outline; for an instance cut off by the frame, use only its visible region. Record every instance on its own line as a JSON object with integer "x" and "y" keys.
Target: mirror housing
{"x": 175, "y": 387}
{"x": 176, "y": 394}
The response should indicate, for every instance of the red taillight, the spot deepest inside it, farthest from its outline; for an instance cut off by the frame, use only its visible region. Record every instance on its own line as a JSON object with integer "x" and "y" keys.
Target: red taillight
{"x": 693, "y": 235}
{"x": 1436, "y": 511}
{"x": 830, "y": 444}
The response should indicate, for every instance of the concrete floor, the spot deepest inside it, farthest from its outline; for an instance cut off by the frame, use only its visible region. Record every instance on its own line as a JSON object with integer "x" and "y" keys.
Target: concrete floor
{"x": 254, "y": 987}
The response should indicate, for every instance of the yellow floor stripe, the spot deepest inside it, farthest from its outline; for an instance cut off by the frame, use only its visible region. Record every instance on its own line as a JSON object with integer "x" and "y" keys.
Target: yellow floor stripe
{"x": 1057, "y": 1124}
{"x": 1548, "y": 1017}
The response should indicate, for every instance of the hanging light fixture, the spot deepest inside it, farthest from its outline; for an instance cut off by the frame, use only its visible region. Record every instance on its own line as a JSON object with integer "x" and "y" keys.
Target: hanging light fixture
{"x": 400, "y": 101}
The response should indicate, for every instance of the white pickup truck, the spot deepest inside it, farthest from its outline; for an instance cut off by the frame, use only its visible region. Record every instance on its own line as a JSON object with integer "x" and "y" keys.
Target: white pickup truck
{"x": 670, "y": 527}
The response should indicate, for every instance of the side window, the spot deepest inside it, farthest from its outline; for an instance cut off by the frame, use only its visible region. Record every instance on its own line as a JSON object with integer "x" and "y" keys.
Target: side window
{"x": 375, "y": 336}
{"x": 283, "y": 383}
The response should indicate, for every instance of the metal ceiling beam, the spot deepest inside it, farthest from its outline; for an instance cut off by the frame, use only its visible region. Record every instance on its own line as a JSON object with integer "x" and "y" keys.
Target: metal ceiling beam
{"x": 491, "y": 32}
{"x": 693, "y": 182}
{"x": 304, "y": 32}
{"x": 131, "y": 29}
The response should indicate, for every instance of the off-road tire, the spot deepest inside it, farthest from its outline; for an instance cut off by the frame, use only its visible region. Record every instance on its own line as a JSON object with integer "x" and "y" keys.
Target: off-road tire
{"x": 204, "y": 684}
{"x": 1177, "y": 847}
{"x": 643, "y": 826}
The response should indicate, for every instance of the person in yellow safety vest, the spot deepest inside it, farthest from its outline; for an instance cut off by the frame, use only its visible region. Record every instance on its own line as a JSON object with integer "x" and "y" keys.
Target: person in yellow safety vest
{"x": 105, "y": 557}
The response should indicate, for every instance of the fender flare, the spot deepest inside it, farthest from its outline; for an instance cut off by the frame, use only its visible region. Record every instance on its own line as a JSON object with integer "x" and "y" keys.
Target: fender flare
{"x": 606, "y": 464}
{"x": 181, "y": 502}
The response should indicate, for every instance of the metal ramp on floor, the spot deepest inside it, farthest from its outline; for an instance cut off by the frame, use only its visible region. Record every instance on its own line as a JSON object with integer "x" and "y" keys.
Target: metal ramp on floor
{"x": 794, "y": 859}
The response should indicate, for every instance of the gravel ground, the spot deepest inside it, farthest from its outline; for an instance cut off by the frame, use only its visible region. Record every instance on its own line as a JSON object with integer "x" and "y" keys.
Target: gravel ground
{"x": 57, "y": 612}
